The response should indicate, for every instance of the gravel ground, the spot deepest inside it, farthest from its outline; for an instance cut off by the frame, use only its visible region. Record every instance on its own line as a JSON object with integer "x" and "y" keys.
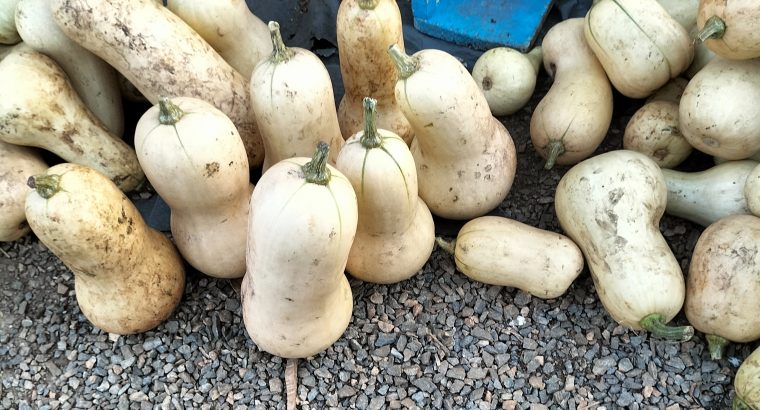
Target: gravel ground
{"x": 438, "y": 340}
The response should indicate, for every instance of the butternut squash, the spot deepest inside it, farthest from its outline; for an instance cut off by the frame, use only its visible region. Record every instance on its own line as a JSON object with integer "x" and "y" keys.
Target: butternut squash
{"x": 730, "y": 28}
{"x": 40, "y": 108}
{"x": 747, "y": 383}
{"x": 465, "y": 157}
{"x": 507, "y": 77}
{"x": 365, "y": 29}
{"x": 128, "y": 277}
{"x": 611, "y": 205}
{"x": 194, "y": 158}
{"x": 17, "y": 164}
{"x": 8, "y": 33}
{"x": 161, "y": 55}
{"x": 395, "y": 232}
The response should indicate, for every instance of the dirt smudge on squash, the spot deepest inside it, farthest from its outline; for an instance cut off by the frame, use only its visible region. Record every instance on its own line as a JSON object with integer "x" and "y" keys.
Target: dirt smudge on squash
{"x": 211, "y": 169}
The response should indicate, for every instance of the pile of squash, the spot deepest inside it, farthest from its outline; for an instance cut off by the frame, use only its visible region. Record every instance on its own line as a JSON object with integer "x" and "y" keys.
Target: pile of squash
{"x": 354, "y": 187}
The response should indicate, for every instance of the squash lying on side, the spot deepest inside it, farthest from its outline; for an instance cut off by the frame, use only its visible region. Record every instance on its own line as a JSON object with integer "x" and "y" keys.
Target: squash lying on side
{"x": 40, "y": 108}
{"x": 747, "y": 383}
{"x": 17, "y": 164}
{"x": 161, "y": 55}
{"x": 730, "y": 28}
{"x": 193, "y": 156}
{"x": 507, "y": 77}
{"x": 611, "y": 205}
{"x": 128, "y": 277}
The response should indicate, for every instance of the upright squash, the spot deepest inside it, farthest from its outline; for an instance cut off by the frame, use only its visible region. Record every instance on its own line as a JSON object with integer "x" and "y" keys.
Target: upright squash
{"x": 395, "y": 232}
{"x": 230, "y": 27}
{"x": 193, "y": 156}
{"x": 17, "y": 164}
{"x": 296, "y": 298}
{"x": 161, "y": 55}
{"x": 611, "y": 205}
{"x": 294, "y": 111}
{"x": 365, "y": 29}
{"x": 465, "y": 157}
{"x": 723, "y": 290}
{"x": 40, "y": 108}
{"x": 128, "y": 277}
{"x": 572, "y": 119}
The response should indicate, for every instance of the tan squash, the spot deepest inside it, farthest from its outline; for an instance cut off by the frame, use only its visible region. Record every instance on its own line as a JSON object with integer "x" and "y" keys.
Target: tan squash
{"x": 507, "y": 77}
{"x": 294, "y": 111}
{"x": 128, "y": 277}
{"x": 730, "y": 28}
{"x": 572, "y": 119}
{"x": 365, "y": 29}
{"x": 638, "y": 43}
{"x": 747, "y": 383}
{"x": 682, "y": 11}
{"x": 40, "y": 108}
{"x": 718, "y": 110}
{"x": 611, "y": 205}
{"x": 295, "y": 295}
{"x": 395, "y": 232}
{"x": 194, "y": 158}
{"x": 465, "y": 157}
{"x": 722, "y": 289}
{"x": 17, "y": 164}
{"x": 504, "y": 252}
{"x": 92, "y": 78}
{"x": 161, "y": 55}
{"x": 752, "y": 191}
{"x": 653, "y": 131}
{"x": 230, "y": 27}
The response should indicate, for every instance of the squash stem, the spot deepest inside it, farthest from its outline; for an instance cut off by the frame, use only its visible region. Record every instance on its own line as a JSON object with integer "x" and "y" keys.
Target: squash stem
{"x": 168, "y": 112}
{"x": 714, "y": 28}
{"x": 370, "y": 139}
{"x": 716, "y": 344}
{"x": 448, "y": 246}
{"x": 316, "y": 171}
{"x": 45, "y": 185}
{"x": 405, "y": 64}
{"x": 280, "y": 53}
{"x": 555, "y": 149}
{"x": 536, "y": 57}
{"x": 739, "y": 404}
{"x": 655, "y": 324}
{"x": 368, "y": 4}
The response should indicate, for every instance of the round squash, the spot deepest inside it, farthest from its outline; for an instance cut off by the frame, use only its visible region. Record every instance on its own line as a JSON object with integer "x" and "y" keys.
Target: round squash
{"x": 730, "y": 28}
{"x": 507, "y": 77}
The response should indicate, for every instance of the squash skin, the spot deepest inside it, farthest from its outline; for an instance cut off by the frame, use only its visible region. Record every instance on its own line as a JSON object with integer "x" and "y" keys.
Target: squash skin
{"x": 8, "y": 33}
{"x": 741, "y": 39}
{"x": 722, "y": 289}
{"x": 42, "y": 109}
{"x": 395, "y": 233}
{"x": 465, "y": 158}
{"x": 363, "y": 39}
{"x": 576, "y": 112}
{"x": 279, "y": 89}
{"x": 199, "y": 167}
{"x": 746, "y": 383}
{"x": 173, "y": 61}
{"x": 295, "y": 296}
{"x": 718, "y": 109}
{"x": 92, "y": 78}
{"x": 706, "y": 196}
{"x": 17, "y": 164}
{"x": 638, "y": 43}
{"x": 230, "y": 27}
{"x": 128, "y": 277}
{"x": 653, "y": 131}
{"x": 507, "y": 77}
{"x": 611, "y": 205}
{"x": 504, "y": 252}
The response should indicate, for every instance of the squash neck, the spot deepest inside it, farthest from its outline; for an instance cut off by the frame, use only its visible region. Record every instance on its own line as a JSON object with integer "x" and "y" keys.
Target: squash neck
{"x": 370, "y": 139}
{"x": 168, "y": 112}
{"x": 714, "y": 28}
{"x": 45, "y": 185}
{"x": 280, "y": 53}
{"x": 655, "y": 324}
{"x": 368, "y": 4}
{"x": 316, "y": 171}
{"x": 406, "y": 65}
{"x": 447, "y": 246}
{"x": 536, "y": 57}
